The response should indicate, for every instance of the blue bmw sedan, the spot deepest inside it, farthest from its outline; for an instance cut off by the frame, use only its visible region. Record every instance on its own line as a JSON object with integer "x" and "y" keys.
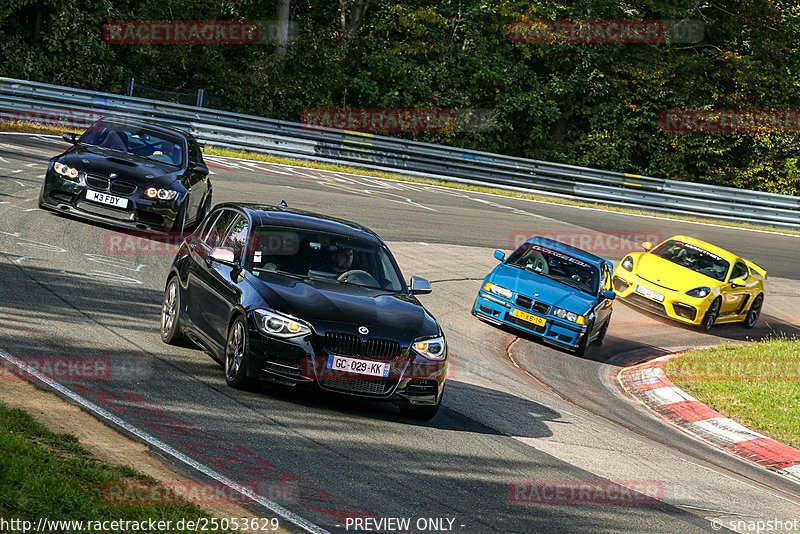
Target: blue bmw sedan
{"x": 552, "y": 290}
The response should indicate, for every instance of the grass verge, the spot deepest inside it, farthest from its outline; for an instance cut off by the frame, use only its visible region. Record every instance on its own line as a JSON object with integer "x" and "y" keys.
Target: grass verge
{"x": 49, "y": 475}
{"x": 33, "y": 127}
{"x": 757, "y": 384}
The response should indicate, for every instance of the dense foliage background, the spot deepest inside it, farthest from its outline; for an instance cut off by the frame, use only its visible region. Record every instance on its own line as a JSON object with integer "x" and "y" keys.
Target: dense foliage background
{"x": 587, "y": 104}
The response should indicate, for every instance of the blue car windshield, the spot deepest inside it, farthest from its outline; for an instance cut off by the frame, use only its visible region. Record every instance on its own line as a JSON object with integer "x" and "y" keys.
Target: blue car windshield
{"x": 138, "y": 141}
{"x": 557, "y": 266}
{"x": 321, "y": 256}
{"x": 693, "y": 257}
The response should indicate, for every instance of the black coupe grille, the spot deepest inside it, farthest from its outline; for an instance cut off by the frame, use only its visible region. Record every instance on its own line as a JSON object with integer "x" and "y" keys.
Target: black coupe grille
{"x": 101, "y": 183}
{"x": 123, "y": 188}
{"x": 105, "y": 212}
{"x": 351, "y": 345}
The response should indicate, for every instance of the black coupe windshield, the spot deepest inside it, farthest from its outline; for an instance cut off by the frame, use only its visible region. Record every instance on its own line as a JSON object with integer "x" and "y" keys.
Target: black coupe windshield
{"x": 557, "y": 266}
{"x": 322, "y": 256}
{"x": 694, "y": 258}
{"x": 138, "y": 141}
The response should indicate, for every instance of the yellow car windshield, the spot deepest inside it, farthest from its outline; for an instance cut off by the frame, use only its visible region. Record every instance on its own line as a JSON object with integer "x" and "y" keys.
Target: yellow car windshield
{"x": 693, "y": 257}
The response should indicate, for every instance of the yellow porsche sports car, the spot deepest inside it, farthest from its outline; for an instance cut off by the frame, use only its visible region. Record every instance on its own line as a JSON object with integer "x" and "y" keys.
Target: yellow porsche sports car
{"x": 693, "y": 282}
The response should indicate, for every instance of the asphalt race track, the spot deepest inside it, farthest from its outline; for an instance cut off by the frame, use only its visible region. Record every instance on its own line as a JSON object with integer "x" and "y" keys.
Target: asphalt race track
{"x": 514, "y": 409}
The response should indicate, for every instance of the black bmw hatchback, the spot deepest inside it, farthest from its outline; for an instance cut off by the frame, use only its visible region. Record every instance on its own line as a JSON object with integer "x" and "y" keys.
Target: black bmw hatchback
{"x": 130, "y": 174}
{"x": 300, "y": 299}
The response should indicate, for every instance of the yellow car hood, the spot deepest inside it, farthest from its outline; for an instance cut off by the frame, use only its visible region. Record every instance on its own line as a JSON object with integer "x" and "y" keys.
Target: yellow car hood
{"x": 665, "y": 273}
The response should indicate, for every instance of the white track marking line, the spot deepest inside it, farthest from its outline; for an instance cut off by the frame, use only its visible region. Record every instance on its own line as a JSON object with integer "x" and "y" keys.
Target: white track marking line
{"x": 274, "y": 507}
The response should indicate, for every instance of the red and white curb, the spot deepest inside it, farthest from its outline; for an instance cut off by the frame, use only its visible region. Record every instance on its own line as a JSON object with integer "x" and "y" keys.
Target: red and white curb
{"x": 649, "y": 384}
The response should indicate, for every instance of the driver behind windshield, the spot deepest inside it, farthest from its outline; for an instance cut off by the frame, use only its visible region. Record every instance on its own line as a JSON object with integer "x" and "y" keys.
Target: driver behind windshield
{"x": 341, "y": 260}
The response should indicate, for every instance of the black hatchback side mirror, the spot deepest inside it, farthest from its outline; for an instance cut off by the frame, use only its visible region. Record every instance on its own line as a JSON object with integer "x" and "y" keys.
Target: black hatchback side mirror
{"x": 69, "y": 137}
{"x": 419, "y": 286}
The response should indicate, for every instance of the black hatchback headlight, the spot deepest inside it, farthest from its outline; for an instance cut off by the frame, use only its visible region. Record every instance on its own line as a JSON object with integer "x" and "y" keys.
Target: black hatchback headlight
{"x": 433, "y": 349}
{"x": 279, "y": 325}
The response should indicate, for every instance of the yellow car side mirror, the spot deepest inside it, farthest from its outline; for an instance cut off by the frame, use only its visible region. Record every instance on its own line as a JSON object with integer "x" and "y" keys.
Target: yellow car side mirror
{"x": 738, "y": 282}
{"x": 647, "y": 245}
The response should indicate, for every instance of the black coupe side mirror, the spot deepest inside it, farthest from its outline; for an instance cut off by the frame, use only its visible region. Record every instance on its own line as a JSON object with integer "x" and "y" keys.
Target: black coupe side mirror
{"x": 202, "y": 168}
{"x": 69, "y": 137}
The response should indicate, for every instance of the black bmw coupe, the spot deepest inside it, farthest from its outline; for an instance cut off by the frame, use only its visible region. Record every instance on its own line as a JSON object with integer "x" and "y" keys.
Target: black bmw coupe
{"x": 301, "y": 299}
{"x": 130, "y": 174}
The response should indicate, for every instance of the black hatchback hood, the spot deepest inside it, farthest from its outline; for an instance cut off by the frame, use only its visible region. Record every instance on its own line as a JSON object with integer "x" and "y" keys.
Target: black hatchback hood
{"x": 332, "y": 306}
{"x": 96, "y": 160}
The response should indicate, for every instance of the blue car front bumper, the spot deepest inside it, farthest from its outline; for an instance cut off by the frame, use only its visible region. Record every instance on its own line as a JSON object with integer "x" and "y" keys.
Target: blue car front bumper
{"x": 498, "y": 311}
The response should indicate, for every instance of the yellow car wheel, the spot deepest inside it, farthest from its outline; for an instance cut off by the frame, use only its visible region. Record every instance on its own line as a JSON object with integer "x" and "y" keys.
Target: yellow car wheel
{"x": 755, "y": 310}
{"x": 711, "y": 315}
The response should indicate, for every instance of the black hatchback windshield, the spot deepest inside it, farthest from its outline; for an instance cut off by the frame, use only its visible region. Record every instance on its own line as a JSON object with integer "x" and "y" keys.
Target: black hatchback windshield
{"x": 316, "y": 255}
{"x": 141, "y": 142}
{"x": 557, "y": 266}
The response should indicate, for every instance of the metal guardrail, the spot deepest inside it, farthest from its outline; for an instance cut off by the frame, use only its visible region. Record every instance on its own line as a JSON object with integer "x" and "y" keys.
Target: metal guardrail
{"x": 79, "y": 107}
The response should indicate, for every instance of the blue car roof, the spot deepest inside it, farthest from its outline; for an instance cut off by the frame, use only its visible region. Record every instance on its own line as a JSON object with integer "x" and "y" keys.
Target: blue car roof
{"x": 567, "y": 249}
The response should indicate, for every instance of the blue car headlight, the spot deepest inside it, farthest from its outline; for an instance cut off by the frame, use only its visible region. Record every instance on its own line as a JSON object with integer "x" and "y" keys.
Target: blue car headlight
{"x": 699, "y": 292}
{"x": 498, "y": 290}
{"x": 279, "y": 325}
{"x": 432, "y": 349}
{"x": 569, "y": 316}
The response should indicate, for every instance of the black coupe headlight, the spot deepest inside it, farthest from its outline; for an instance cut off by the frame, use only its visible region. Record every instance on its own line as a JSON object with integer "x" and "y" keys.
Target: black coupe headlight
{"x": 432, "y": 349}
{"x": 627, "y": 263}
{"x": 279, "y": 325}
{"x": 699, "y": 292}
{"x": 161, "y": 194}
{"x": 65, "y": 170}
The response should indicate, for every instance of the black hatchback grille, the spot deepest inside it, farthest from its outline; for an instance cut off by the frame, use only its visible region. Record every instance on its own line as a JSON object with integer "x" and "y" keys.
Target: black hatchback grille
{"x": 101, "y": 183}
{"x": 367, "y": 387}
{"x": 351, "y": 345}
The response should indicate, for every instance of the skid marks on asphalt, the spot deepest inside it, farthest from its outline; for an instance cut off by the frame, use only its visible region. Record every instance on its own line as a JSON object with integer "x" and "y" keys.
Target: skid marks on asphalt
{"x": 404, "y": 192}
{"x": 22, "y": 249}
